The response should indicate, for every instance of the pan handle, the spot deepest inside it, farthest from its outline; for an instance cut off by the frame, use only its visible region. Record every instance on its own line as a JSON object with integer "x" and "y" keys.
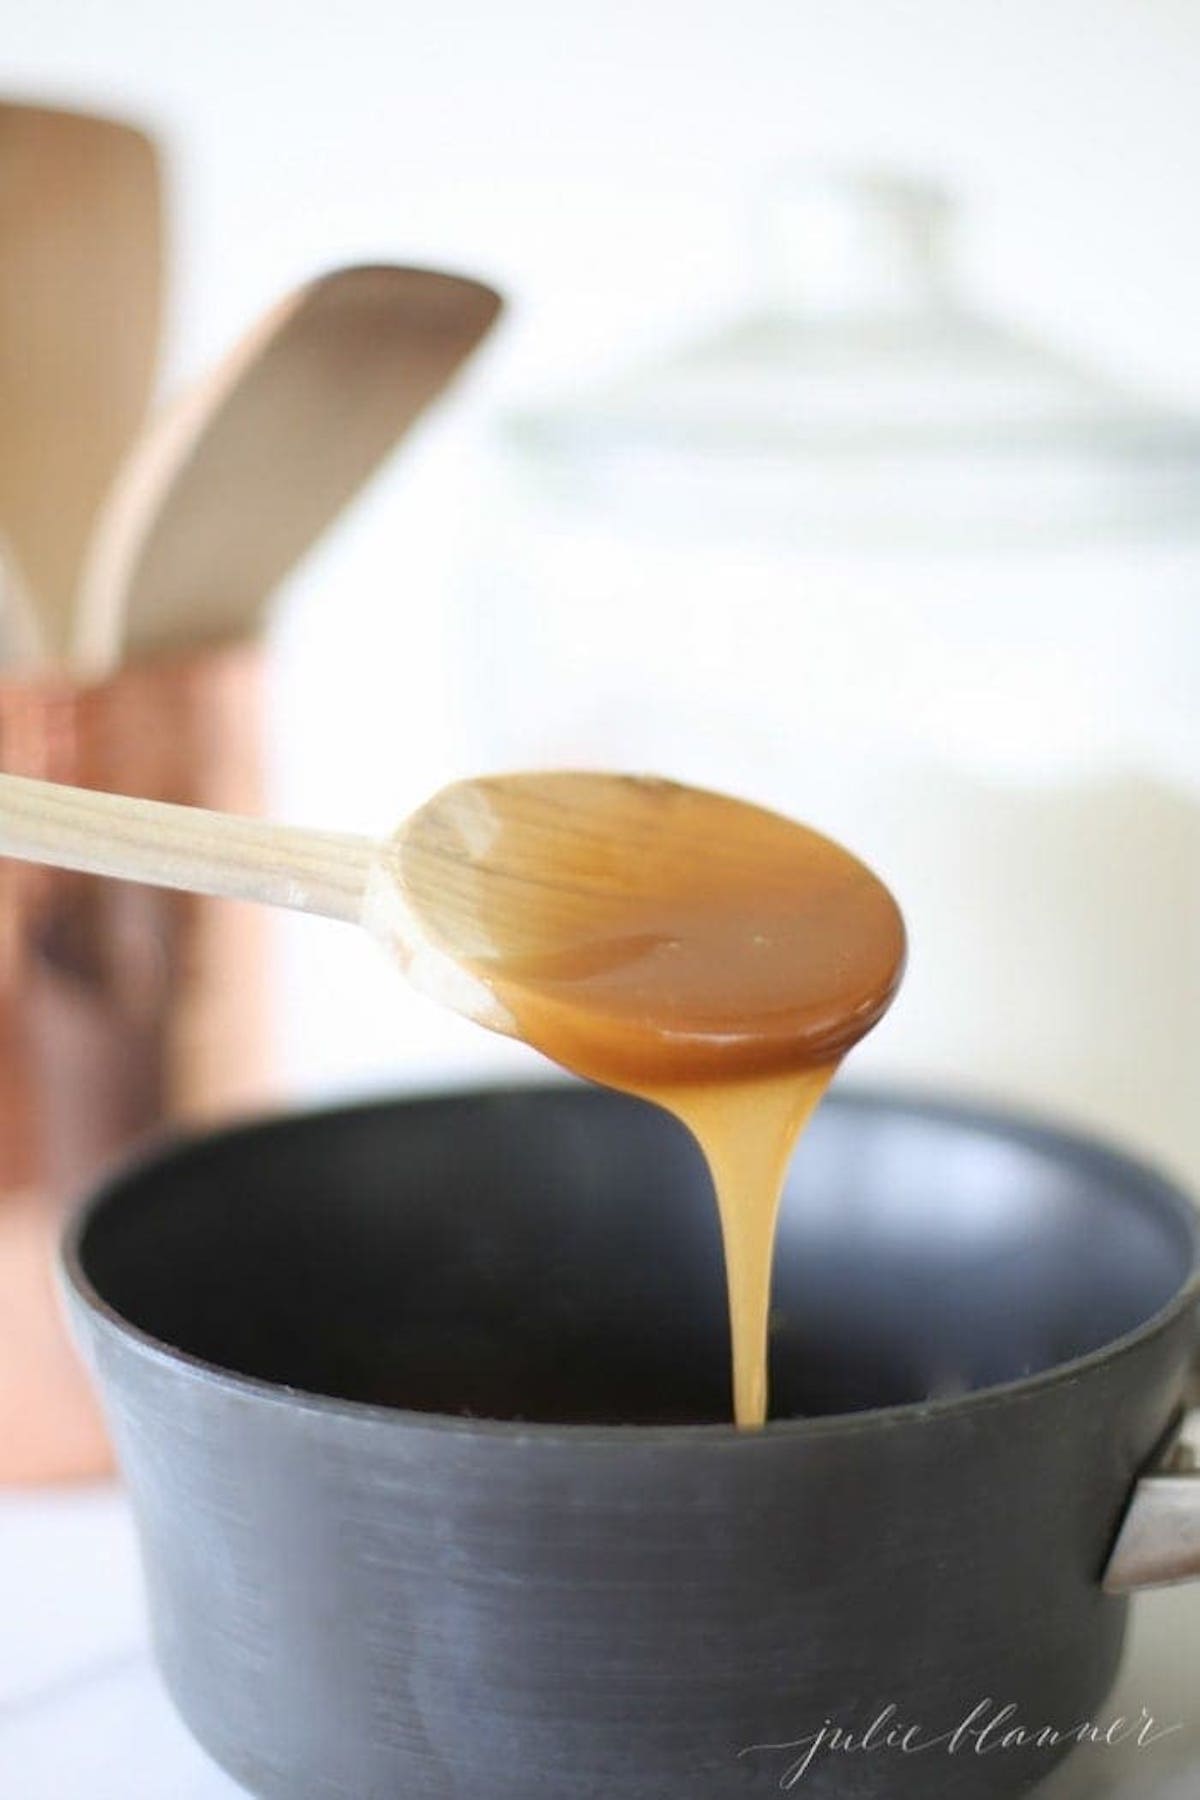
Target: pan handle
{"x": 1159, "y": 1542}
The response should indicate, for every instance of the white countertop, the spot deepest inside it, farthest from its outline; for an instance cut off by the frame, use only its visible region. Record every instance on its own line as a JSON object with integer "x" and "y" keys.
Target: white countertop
{"x": 84, "y": 1717}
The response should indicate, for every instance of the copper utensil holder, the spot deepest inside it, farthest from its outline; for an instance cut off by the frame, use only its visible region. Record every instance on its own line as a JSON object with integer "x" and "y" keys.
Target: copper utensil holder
{"x": 123, "y": 1009}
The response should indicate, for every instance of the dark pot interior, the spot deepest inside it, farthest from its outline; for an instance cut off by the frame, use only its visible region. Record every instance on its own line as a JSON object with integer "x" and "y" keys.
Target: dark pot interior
{"x": 553, "y": 1255}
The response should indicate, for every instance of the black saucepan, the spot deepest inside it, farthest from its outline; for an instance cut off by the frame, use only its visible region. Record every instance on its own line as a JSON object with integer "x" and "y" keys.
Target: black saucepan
{"x": 423, "y": 1410}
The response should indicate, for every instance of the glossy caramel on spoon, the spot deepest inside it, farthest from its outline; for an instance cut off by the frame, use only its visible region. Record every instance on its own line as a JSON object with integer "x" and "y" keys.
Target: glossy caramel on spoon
{"x": 705, "y": 954}
{"x": 638, "y": 930}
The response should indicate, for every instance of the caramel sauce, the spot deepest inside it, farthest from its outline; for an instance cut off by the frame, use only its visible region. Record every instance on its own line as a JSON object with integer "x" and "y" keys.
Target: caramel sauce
{"x": 704, "y": 954}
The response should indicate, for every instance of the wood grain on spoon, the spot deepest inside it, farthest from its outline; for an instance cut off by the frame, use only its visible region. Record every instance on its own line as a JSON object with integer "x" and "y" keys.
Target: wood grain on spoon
{"x": 220, "y": 501}
{"x": 81, "y": 278}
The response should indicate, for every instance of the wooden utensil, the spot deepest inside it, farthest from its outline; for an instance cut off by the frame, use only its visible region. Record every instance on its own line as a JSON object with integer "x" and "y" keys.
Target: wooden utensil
{"x": 81, "y": 277}
{"x": 216, "y": 505}
{"x": 538, "y": 877}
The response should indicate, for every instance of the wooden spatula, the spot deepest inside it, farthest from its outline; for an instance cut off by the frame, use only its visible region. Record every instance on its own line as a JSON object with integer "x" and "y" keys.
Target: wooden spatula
{"x": 81, "y": 260}
{"x": 238, "y": 480}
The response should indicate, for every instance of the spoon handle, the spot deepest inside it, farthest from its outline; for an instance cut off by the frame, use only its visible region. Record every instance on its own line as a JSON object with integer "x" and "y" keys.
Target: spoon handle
{"x": 184, "y": 847}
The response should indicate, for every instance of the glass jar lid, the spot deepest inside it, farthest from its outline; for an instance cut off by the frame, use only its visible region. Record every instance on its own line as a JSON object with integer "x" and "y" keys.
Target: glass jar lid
{"x": 866, "y": 398}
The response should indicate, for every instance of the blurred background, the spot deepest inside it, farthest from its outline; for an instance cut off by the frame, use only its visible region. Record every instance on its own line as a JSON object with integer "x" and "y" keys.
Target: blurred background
{"x": 874, "y": 502}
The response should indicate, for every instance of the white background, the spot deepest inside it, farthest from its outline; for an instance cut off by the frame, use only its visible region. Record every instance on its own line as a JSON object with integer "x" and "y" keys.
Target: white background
{"x": 596, "y": 161}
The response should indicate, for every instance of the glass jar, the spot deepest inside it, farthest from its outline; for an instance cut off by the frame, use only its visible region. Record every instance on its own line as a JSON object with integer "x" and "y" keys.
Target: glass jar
{"x": 895, "y": 567}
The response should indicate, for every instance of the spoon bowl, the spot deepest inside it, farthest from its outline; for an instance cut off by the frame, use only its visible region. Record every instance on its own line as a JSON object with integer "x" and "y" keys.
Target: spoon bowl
{"x": 627, "y": 923}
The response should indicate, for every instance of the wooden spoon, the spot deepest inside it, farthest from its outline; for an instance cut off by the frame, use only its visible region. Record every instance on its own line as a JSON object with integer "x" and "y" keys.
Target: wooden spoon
{"x": 81, "y": 277}
{"x": 237, "y": 481}
{"x": 712, "y": 957}
{"x": 608, "y": 919}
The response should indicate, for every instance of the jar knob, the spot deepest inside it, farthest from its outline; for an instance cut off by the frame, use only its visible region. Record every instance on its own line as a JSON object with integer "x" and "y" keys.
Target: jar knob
{"x": 855, "y": 242}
